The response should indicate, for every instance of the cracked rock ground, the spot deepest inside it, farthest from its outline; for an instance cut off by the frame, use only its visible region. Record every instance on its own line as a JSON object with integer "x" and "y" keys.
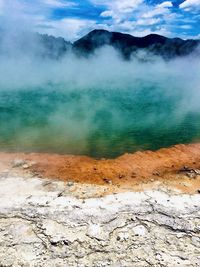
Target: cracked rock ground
{"x": 43, "y": 224}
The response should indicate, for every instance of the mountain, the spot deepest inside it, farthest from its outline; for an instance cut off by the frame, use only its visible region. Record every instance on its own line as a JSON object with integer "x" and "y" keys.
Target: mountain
{"x": 45, "y": 46}
{"x": 127, "y": 44}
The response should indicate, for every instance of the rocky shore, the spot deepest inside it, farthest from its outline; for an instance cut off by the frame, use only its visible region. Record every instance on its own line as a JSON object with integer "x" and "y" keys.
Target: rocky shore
{"x": 46, "y": 221}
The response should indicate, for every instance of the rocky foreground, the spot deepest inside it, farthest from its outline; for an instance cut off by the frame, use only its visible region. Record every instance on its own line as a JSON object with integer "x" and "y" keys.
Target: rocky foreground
{"x": 43, "y": 224}
{"x": 138, "y": 210}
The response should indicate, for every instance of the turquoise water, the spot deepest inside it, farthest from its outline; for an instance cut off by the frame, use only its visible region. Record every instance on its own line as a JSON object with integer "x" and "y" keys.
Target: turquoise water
{"x": 98, "y": 122}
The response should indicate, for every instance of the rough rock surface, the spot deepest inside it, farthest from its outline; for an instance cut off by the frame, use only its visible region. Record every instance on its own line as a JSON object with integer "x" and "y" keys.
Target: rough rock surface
{"x": 42, "y": 224}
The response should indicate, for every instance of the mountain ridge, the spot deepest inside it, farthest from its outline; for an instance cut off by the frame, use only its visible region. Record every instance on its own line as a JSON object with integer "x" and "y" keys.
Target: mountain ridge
{"x": 126, "y": 44}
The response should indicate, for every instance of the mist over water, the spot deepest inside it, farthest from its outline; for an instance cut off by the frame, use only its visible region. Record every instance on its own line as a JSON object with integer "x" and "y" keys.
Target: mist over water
{"x": 102, "y": 106}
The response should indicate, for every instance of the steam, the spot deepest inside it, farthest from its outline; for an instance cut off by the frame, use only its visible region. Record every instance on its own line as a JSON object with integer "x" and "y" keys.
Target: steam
{"x": 100, "y": 106}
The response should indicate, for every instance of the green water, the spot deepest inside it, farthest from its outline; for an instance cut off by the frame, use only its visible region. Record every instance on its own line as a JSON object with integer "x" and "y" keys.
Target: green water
{"x": 98, "y": 122}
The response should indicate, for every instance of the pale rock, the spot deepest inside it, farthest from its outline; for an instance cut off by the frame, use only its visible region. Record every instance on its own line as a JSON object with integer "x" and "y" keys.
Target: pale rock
{"x": 39, "y": 227}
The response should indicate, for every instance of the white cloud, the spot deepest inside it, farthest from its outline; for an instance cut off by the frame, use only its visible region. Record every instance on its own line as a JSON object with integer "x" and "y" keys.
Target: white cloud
{"x": 58, "y": 3}
{"x": 70, "y": 29}
{"x": 148, "y": 21}
{"x": 107, "y": 13}
{"x": 189, "y": 4}
{"x": 186, "y": 27}
{"x": 165, "y": 4}
{"x": 158, "y": 10}
{"x": 25, "y": 15}
{"x": 122, "y": 6}
{"x": 136, "y": 16}
{"x": 128, "y": 16}
{"x": 118, "y": 9}
{"x": 125, "y": 6}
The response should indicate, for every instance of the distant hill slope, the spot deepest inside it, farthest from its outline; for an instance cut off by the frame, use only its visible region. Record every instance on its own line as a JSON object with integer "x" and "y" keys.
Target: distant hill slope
{"x": 56, "y": 47}
{"x": 127, "y": 44}
{"x": 33, "y": 44}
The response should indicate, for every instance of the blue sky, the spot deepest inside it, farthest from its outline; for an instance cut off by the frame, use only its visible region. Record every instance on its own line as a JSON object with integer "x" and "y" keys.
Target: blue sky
{"x": 72, "y": 19}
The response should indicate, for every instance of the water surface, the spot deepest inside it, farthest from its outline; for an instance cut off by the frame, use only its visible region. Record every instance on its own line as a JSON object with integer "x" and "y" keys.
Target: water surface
{"x": 98, "y": 122}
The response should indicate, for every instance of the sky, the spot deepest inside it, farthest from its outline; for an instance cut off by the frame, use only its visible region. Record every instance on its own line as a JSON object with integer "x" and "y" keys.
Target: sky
{"x": 72, "y": 19}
